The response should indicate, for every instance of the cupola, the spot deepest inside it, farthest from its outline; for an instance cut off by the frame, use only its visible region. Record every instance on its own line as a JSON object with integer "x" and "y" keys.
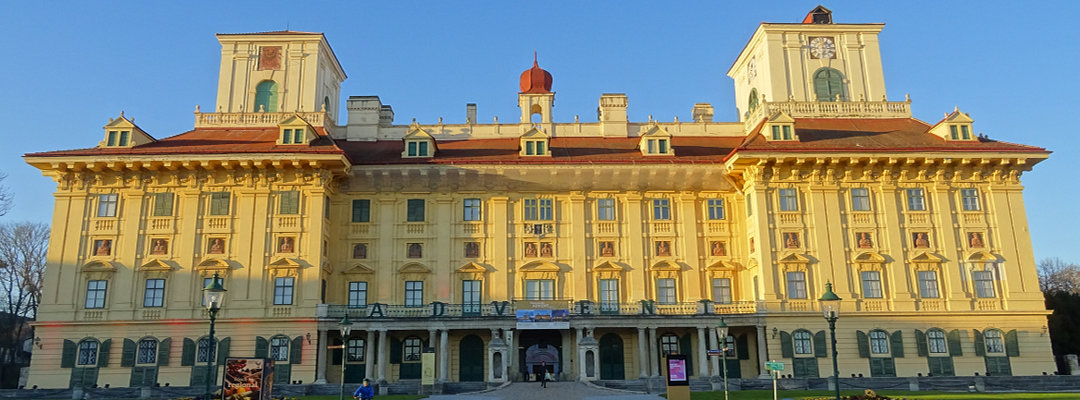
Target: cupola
{"x": 956, "y": 126}
{"x": 535, "y": 79}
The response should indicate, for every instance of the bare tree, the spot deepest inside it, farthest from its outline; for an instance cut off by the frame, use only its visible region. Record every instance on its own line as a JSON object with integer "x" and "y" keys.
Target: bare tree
{"x": 5, "y": 196}
{"x": 1056, "y": 275}
{"x": 22, "y": 267}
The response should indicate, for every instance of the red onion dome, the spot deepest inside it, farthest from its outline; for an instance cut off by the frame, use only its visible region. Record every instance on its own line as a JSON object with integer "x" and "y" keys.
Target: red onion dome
{"x": 535, "y": 79}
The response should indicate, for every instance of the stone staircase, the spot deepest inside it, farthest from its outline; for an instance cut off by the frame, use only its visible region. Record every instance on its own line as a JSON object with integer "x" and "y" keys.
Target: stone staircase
{"x": 464, "y": 387}
{"x": 403, "y": 387}
{"x": 636, "y": 385}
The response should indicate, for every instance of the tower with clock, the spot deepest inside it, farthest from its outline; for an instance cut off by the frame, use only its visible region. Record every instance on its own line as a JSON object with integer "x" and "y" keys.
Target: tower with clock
{"x": 812, "y": 60}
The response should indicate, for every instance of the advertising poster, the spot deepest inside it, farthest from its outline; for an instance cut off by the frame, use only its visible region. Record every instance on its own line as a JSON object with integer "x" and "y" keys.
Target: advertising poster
{"x": 542, "y": 314}
{"x": 247, "y": 379}
{"x": 676, "y": 366}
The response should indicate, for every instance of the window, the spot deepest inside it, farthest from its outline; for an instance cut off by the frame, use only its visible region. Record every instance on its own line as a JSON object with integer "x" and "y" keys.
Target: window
{"x": 279, "y": 348}
{"x": 412, "y": 349}
{"x": 107, "y": 204}
{"x": 289, "y": 202}
{"x": 472, "y": 210}
{"x": 860, "y": 199}
{"x": 803, "y": 343}
{"x": 219, "y": 203}
{"x": 111, "y": 141}
{"x": 470, "y": 296}
{"x": 871, "y": 284}
{"x": 935, "y": 339}
{"x": 203, "y": 351}
{"x": 95, "y": 293}
{"x": 728, "y": 345}
{"x": 266, "y": 97}
{"x": 661, "y": 209}
{"x": 715, "y": 208}
{"x": 414, "y": 293}
{"x": 984, "y": 283}
{"x": 789, "y": 200}
{"x": 540, "y": 289}
{"x": 283, "y": 291}
{"x": 418, "y": 148}
{"x": 361, "y": 210}
{"x": 665, "y": 291}
{"x": 669, "y": 344}
{"x": 357, "y": 294}
{"x": 154, "y": 296}
{"x": 916, "y": 201}
{"x": 326, "y": 207}
{"x": 147, "y": 352}
{"x": 355, "y": 350}
{"x": 994, "y": 342}
{"x": 124, "y": 138}
{"x": 959, "y": 131}
{"x": 539, "y": 209}
{"x": 879, "y": 342}
{"x": 163, "y": 204}
{"x": 796, "y": 285}
{"x": 828, "y": 84}
{"x": 88, "y": 351}
{"x": 969, "y": 198}
{"x": 605, "y": 209}
{"x": 782, "y": 132}
{"x": 415, "y": 210}
{"x": 656, "y": 146}
{"x": 721, "y": 290}
{"x": 749, "y": 206}
{"x": 609, "y": 295}
{"x": 928, "y": 284}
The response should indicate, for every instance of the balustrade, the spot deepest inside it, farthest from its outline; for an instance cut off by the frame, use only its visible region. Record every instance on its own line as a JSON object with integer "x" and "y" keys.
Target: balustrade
{"x": 850, "y": 109}
{"x": 160, "y": 224}
{"x": 231, "y": 119}
{"x": 360, "y": 229}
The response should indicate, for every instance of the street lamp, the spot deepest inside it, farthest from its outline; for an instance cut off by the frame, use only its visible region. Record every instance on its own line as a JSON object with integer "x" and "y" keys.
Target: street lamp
{"x": 213, "y": 295}
{"x": 346, "y": 328}
{"x": 722, "y": 332}
{"x": 830, "y": 305}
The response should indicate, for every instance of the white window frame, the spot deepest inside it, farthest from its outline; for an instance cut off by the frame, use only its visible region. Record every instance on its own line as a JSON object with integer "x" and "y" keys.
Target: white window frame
{"x": 108, "y": 203}
{"x": 916, "y": 199}
{"x": 871, "y": 284}
{"x": 789, "y": 199}
{"x": 661, "y": 209}
{"x": 983, "y": 283}
{"x": 721, "y": 290}
{"x": 609, "y": 294}
{"x": 860, "y": 199}
{"x": 796, "y": 285}
{"x": 539, "y": 289}
{"x": 969, "y": 199}
{"x": 605, "y": 209}
{"x": 414, "y": 293}
{"x": 667, "y": 291}
{"x": 715, "y": 209}
{"x": 928, "y": 284}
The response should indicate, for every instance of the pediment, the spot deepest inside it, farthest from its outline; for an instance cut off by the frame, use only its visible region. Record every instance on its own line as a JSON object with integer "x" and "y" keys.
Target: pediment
{"x": 416, "y": 132}
{"x": 535, "y": 133}
{"x": 794, "y": 258}
{"x": 722, "y": 266}
{"x": 958, "y": 117}
{"x": 359, "y": 269}
{"x": 656, "y": 131}
{"x": 781, "y": 117}
{"x": 665, "y": 265}
{"x": 870, "y": 257}
{"x": 415, "y": 268}
{"x": 471, "y": 268}
{"x": 293, "y": 121}
{"x": 284, "y": 262}
{"x": 99, "y": 266}
{"x": 609, "y": 266}
{"x": 541, "y": 266}
{"x": 927, "y": 257}
{"x": 212, "y": 263}
{"x": 981, "y": 256}
{"x": 136, "y": 135}
{"x": 155, "y": 265}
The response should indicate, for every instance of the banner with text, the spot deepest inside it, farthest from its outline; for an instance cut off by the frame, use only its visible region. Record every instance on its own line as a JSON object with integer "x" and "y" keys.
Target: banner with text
{"x": 542, "y": 314}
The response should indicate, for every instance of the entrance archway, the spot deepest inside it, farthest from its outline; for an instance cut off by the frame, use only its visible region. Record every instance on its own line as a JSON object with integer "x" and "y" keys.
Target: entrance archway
{"x": 471, "y": 359}
{"x": 540, "y": 350}
{"x": 611, "y": 357}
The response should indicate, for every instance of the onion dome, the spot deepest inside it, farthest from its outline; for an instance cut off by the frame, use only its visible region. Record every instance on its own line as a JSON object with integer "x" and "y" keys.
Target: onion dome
{"x": 535, "y": 79}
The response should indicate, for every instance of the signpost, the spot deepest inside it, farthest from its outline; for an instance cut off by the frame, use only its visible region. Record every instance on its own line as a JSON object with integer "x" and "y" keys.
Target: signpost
{"x": 774, "y": 367}
{"x": 678, "y": 383}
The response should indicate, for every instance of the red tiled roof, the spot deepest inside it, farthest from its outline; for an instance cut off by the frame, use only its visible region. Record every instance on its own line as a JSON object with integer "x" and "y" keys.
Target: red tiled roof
{"x": 210, "y": 141}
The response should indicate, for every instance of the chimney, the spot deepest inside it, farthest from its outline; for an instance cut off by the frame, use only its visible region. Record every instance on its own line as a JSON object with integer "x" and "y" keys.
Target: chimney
{"x": 702, "y": 112}
{"x": 470, "y": 113}
{"x": 612, "y": 114}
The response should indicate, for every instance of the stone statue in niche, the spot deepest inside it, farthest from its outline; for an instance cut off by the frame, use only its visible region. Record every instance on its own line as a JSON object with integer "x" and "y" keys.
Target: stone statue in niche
{"x": 359, "y": 251}
{"x": 217, "y": 246}
{"x": 472, "y": 249}
{"x": 920, "y": 240}
{"x": 102, "y": 247}
{"x": 663, "y": 248}
{"x": 864, "y": 240}
{"x": 791, "y": 240}
{"x": 159, "y": 246}
{"x": 286, "y": 244}
{"x": 607, "y": 249}
{"x": 545, "y": 249}
{"x": 416, "y": 250}
{"x": 975, "y": 239}
{"x": 718, "y": 249}
{"x": 530, "y": 249}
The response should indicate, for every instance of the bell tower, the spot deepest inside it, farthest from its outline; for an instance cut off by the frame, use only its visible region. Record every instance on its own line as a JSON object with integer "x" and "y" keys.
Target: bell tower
{"x": 536, "y": 97}
{"x": 283, "y": 71}
{"x": 815, "y": 60}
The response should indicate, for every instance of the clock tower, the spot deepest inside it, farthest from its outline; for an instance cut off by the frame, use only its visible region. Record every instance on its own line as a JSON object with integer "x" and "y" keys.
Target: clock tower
{"x": 815, "y": 60}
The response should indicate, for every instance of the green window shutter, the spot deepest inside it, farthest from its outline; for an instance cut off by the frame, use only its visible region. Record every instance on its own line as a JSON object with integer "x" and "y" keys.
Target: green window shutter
{"x": 76, "y": 378}
{"x": 266, "y": 97}
{"x": 787, "y": 348}
{"x": 187, "y": 355}
{"x": 686, "y": 348}
{"x": 1012, "y": 344}
{"x": 742, "y": 347}
{"x": 67, "y": 357}
{"x": 282, "y": 374}
{"x": 921, "y": 346}
{"x": 335, "y": 356}
{"x": 980, "y": 343}
{"x": 395, "y": 351}
{"x": 954, "y": 343}
{"x": 163, "y": 352}
{"x": 222, "y": 351}
{"x": 811, "y": 368}
{"x": 296, "y": 350}
{"x": 262, "y": 347}
{"x": 875, "y": 366}
{"x": 127, "y": 356}
{"x": 103, "y": 353}
{"x": 864, "y": 344}
{"x": 198, "y": 376}
{"x": 896, "y": 340}
{"x": 136, "y": 377}
{"x": 820, "y": 345}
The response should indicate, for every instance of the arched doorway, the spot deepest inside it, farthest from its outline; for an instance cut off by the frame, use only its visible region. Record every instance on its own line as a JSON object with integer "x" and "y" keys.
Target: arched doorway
{"x": 540, "y": 350}
{"x": 471, "y": 359}
{"x": 611, "y": 357}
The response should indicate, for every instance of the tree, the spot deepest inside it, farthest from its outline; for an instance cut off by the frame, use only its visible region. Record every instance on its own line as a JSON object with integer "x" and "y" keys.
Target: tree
{"x": 5, "y": 196}
{"x": 22, "y": 268}
{"x": 1056, "y": 275}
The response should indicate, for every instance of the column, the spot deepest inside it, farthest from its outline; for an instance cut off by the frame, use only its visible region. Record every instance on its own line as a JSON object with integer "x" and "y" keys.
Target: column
{"x": 654, "y": 359}
{"x": 320, "y": 366}
{"x": 510, "y": 358}
{"x": 431, "y": 342}
{"x": 643, "y": 354}
{"x": 382, "y": 358}
{"x": 596, "y": 357}
{"x": 369, "y": 355}
{"x": 715, "y": 361}
{"x": 580, "y": 364}
{"x": 703, "y": 356}
{"x": 444, "y": 360}
{"x": 491, "y": 356}
{"x": 762, "y": 353}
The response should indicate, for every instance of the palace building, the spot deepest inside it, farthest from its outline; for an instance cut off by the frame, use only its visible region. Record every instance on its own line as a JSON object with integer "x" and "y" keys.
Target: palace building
{"x": 590, "y": 249}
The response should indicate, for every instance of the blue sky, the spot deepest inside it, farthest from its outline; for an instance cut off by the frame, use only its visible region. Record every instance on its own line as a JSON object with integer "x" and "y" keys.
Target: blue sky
{"x": 70, "y": 66}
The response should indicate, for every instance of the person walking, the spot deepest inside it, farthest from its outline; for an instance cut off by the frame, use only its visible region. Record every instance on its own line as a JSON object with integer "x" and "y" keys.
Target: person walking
{"x": 365, "y": 391}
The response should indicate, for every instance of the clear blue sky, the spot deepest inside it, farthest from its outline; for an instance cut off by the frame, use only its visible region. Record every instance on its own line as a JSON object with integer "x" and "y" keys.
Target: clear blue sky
{"x": 70, "y": 66}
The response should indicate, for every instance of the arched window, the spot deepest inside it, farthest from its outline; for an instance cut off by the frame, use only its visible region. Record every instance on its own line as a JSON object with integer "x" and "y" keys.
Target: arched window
{"x": 266, "y": 97}
{"x": 803, "y": 343}
{"x": 753, "y": 102}
{"x": 935, "y": 339}
{"x": 828, "y": 84}
{"x": 147, "y": 351}
{"x": 88, "y": 352}
{"x": 204, "y": 351}
{"x": 879, "y": 342}
{"x": 326, "y": 103}
{"x": 669, "y": 344}
{"x": 279, "y": 348}
{"x": 994, "y": 341}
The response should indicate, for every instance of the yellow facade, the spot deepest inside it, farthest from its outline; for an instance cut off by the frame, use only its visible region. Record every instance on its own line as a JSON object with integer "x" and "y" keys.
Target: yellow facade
{"x": 646, "y": 233}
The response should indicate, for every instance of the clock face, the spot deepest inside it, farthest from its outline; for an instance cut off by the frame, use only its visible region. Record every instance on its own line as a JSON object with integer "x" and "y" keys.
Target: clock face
{"x": 822, "y": 47}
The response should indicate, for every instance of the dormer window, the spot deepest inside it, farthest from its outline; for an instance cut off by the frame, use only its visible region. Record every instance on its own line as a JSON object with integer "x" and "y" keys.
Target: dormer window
{"x": 418, "y": 143}
{"x": 782, "y": 132}
{"x": 535, "y": 143}
{"x": 956, "y": 126}
{"x": 118, "y": 139}
{"x": 656, "y": 146}
{"x": 122, "y": 132}
{"x": 535, "y": 147}
{"x": 656, "y": 142}
{"x": 294, "y": 130}
{"x": 292, "y": 136}
{"x": 959, "y": 131}
{"x": 779, "y": 127}
{"x": 416, "y": 148}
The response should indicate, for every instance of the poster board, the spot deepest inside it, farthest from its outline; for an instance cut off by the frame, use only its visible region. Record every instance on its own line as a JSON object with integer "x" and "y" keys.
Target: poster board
{"x": 676, "y": 370}
{"x": 247, "y": 379}
{"x": 542, "y": 314}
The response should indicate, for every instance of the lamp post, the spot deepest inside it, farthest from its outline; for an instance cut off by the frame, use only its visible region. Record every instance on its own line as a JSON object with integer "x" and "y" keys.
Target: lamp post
{"x": 830, "y": 305}
{"x": 213, "y": 295}
{"x": 346, "y": 328}
{"x": 722, "y": 332}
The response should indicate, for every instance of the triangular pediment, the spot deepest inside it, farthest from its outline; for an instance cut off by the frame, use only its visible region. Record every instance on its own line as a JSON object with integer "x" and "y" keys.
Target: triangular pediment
{"x": 99, "y": 266}
{"x": 471, "y": 268}
{"x": 958, "y": 117}
{"x": 416, "y": 132}
{"x": 794, "y": 258}
{"x": 722, "y": 266}
{"x": 870, "y": 257}
{"x": 123, "y": 129}
{"x": 284, "y": 263}
{"x": 665, "y": 265}
{"x": 540, "y": 266}
{"x": 609, "y": 266}
{"x": 212, "y": 263}
{"x": 656, "y": 131}
{"x": 155, "y": 265}
{"x": 359, "y": 269}
{"x": 415, "y": 268}
{"x": 982, "y": 257}
{"x": 927, "y": 257}
{"x": 781, "y": 117}
{"x": 294, "y": 121}
{"x": 535, "y": 133}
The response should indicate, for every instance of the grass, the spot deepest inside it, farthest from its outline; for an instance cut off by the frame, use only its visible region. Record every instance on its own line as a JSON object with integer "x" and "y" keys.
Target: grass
{"x": 348, "y": 396}
{"x": 896, "y": 394}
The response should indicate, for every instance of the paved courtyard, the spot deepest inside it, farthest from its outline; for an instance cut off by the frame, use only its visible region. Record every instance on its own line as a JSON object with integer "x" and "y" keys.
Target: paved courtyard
{"x": 554, "y": 390}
